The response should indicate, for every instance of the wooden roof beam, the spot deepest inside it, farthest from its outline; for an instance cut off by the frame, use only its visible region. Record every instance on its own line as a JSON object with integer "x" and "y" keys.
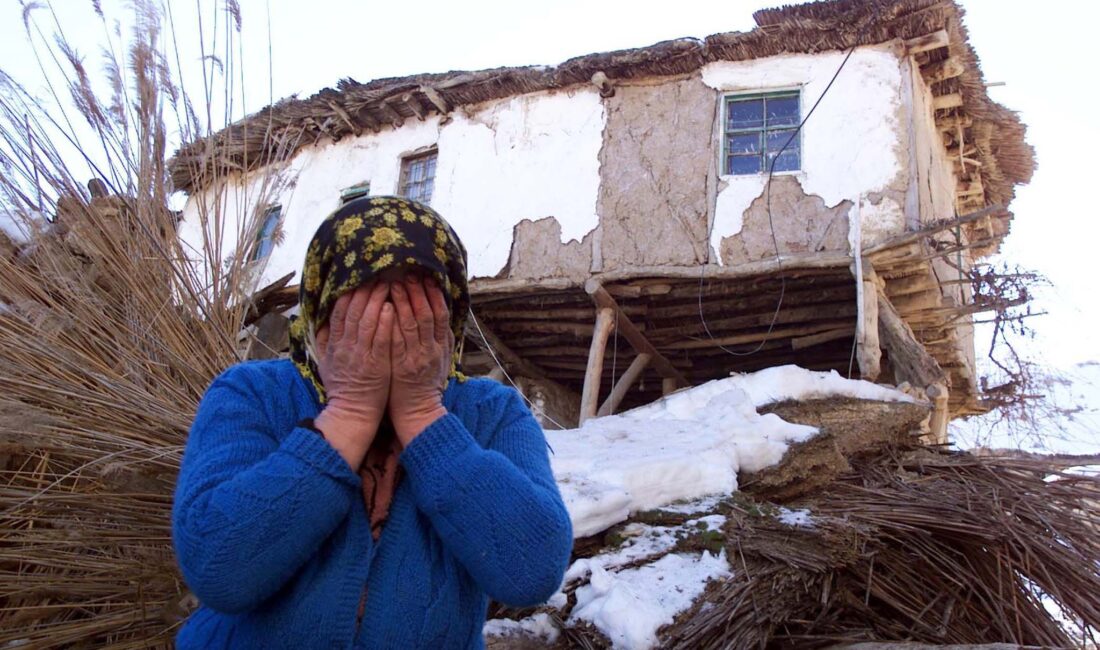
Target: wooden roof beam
{"x": 947, "y": 69}
{"x": 391, "y": 115}
{"x": 944, "y": 102}
{"x": 928, "y": 42}
{"x": 410, "y": 100}
{"x": 436, "y": 99}
{"x": 638, "y": 340}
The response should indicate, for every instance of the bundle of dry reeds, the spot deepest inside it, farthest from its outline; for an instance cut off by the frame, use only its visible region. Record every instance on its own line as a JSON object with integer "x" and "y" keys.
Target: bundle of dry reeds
{"x": 914, "y": 544}
{"x": 114, "y": 318}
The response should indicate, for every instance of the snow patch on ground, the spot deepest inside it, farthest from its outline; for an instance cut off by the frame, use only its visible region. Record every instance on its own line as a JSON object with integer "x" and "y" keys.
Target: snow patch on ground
{"x": 538, "y": 626}
{"x": 631, "y": 605}
{"x": 687, "y": 445}
{"x": 797, "y": 518}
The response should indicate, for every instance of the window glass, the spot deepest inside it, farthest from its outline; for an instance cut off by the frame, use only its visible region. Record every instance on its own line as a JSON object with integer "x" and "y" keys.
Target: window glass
{"x": 418, "y": 177}
{"x": 758, "y": 128}
{"x": 746, "y": 114}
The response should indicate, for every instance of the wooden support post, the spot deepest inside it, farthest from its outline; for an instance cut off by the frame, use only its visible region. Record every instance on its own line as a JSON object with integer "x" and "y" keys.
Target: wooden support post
{"x": 940, "y": 414}
{"x": 911, "y": 361}
{"x": 497, "y": 374}
{"x": 868, "y": 349}
{"x": 605, "y": 320}
{"x": 638, "y": 340}
{"x": 618, "y": 392}
{"x": 668, "y": 386}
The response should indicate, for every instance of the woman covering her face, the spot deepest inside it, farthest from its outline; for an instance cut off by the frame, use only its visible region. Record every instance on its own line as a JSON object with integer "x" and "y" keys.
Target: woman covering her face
{"x": 364, "y": 493}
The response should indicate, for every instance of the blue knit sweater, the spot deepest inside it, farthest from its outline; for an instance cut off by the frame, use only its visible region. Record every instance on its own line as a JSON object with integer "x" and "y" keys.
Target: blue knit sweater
{"x": 272, "y": 535}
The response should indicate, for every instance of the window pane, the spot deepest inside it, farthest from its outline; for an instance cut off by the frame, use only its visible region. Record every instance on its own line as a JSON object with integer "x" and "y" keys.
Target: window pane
{"x": 782, "y": 111}
{"x": 788, "y": 161}
{"x": 744, "y": 164}
{"x": 779, "y": 140}
{"x": 745, "y": 114}
{"x": 744, "y": 143}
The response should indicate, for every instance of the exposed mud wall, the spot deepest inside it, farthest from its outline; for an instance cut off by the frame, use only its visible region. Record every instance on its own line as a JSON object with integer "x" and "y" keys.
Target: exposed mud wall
{"x": 855, "y": 145}
{"x": 654, "y": 166}
{"x": 537, "y": 252}
{"x": 803, "y": 224}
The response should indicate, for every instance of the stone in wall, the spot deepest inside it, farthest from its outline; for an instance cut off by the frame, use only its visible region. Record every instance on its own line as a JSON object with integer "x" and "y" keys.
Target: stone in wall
{"x": 803, "y": 224}
{"x": 655, "y": 163}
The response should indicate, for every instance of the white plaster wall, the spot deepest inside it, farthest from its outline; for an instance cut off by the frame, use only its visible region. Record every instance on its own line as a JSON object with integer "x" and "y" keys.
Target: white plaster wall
{"x": 855, "y": 143}
{"x": 524, "y": 157}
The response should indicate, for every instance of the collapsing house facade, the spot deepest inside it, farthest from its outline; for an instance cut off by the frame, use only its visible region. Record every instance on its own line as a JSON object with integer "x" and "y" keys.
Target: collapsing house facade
{"x": 642, "y": 220}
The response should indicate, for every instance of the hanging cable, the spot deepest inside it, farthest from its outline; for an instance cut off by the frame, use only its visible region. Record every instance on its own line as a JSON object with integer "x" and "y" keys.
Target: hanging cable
{"x": 771, "y": 224}
{"x": 488, "y": 348}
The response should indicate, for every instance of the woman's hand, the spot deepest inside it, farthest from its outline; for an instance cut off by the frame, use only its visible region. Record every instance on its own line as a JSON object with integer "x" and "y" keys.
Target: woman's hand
{"x": 354, "y": 349}
{"x": 422, "y": 347}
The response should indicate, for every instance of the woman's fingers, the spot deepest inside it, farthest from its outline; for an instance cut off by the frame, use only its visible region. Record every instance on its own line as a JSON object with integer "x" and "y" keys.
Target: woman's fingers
{"x": 368, "y": 325}
{"x": 384, "y": 333}
{"x": 441, "y": 316}
{"x": 358, "y": 303}
{"x": 422, "y": 309}
{"x": 406, "y": 320}
{"x": 336, "y": 320}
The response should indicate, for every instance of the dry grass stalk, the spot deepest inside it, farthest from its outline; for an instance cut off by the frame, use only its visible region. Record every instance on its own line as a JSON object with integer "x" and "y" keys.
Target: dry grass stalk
{"x": 111, "y": 327}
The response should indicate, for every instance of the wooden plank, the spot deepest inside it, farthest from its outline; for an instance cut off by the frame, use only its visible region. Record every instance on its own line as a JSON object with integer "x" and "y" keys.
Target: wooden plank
{"x": 949, "y": 68}
{"x": 593, "y": 374}
{"x": 756, "y": 337}
{"x": 631, "y": 331}
{"x": 944, "y": 102}
{"x": 868, "y": 350}
{"x": 928, "y": 42}
{"x": 803, "y": 342}
{"x": 668, "y": 386}
{"x": 618, "y": 392}
{"x": 910, "y": 359}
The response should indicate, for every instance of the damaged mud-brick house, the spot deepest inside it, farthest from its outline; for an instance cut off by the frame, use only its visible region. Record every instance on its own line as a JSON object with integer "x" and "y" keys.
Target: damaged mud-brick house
{"x": 647, "y": 219}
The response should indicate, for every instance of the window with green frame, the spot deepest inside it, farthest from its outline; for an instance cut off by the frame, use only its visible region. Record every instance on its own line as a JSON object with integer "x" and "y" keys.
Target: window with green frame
{"x": 354, "y": 192}
{"x": 757, "y": 128}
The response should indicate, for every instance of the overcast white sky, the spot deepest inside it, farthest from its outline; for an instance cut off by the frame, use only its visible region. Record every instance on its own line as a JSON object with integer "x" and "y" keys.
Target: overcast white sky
{"x": 1040, "y": 50}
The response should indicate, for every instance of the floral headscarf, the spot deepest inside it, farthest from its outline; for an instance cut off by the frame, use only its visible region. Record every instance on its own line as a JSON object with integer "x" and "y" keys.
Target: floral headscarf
{"x": 358, "y": 241}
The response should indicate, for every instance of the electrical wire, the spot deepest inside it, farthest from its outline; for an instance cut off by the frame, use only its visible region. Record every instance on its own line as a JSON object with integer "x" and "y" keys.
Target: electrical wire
{"x": 771, "y": 224}
{"x": 488, "y": 348}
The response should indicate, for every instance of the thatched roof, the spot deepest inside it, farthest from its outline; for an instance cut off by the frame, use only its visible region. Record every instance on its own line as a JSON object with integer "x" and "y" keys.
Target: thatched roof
{"x": 993, "y": 136}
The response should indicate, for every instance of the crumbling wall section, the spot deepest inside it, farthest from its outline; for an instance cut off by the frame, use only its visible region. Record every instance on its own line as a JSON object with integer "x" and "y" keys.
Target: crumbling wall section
{"x": 802, "y": 224}
{"x": 654, "y": 168}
